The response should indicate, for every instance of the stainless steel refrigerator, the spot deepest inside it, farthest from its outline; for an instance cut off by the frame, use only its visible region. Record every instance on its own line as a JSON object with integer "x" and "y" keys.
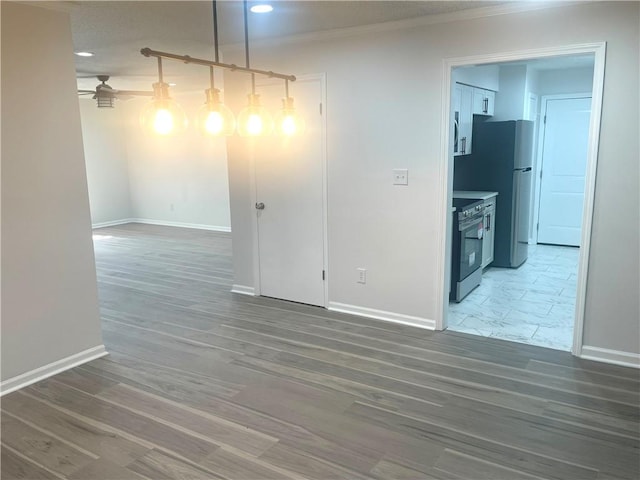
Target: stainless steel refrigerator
{"x": 502, "y": 162}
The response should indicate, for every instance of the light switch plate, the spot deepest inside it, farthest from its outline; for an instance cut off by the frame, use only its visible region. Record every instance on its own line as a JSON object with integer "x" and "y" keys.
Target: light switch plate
{"x": 400, "y": 176}
{"x": 362, "y": 275}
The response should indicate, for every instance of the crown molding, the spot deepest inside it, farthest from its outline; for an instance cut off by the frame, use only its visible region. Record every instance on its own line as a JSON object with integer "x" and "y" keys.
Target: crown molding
{"x": 511, "y": 8}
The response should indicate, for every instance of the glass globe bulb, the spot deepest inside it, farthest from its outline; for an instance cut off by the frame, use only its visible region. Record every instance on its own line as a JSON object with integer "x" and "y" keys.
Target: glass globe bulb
{"x": 288, "y": 125}
{"x": 214, "y": 118}
{"x": 163, "y": 116}
{"x": 254, "y": 124}
{"x": 288, "y": 122}
{"x": 214, "y": 123}
{"x": 254, "y": 120}
{"x": 163, "y": 121}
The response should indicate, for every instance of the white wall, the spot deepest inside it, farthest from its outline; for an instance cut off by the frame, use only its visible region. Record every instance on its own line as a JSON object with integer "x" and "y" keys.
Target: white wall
{"x": 569, "y": 80}
{"x": 532, "y": 85}
{"x": 510, "y": 99}
{"x": 393, "y": 232}
{"x": 49, "y": 294}
{"x": 531, "y": 97}
{"x": 106, "y": 162}
{"x": 482, "y": 76}
{"x": 180, "y": 180}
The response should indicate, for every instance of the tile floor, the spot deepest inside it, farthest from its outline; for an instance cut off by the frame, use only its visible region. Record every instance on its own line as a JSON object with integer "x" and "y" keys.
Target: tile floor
{"x": 533, "y": 304}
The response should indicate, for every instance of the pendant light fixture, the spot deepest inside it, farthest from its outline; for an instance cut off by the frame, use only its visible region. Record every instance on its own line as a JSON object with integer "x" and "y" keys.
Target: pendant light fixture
{"x": 288, "y": 122}
{"x": 163, "y": 115}
{"x": 254, "y": 120}
{"x": 214, "y": 117}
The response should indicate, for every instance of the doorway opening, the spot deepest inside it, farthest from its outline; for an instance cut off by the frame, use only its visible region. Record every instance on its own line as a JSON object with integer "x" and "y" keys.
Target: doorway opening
{"x": 521, "y": 173}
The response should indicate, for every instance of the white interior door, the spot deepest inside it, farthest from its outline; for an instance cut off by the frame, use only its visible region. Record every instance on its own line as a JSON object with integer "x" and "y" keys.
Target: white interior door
{"x": 564, "y": 161}
{"x": 289, "y": 174}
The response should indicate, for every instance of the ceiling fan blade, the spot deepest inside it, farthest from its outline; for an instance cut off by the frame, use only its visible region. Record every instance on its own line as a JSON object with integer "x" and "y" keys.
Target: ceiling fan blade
{"x": 105, "y": 94}
{"x": 134, "y": 93}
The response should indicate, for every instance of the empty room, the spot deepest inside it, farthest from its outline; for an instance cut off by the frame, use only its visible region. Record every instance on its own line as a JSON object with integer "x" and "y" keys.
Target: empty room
{"x": 320, "y": 239}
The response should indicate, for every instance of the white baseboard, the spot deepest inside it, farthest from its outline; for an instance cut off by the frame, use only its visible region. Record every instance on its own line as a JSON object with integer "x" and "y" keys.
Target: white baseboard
{"x": 112, "y": 223}
{"x": 615, "y": 357}
{"x": 243, "y": 290}
{"x": 383, "y": 315}
{"x": 147, "y": 221}
{"x": 197, "y": 226}
{"x": 26, "y": 379}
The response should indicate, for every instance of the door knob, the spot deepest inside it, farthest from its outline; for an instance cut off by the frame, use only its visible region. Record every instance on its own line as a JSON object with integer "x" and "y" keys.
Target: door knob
{"x": 260, "y": 206}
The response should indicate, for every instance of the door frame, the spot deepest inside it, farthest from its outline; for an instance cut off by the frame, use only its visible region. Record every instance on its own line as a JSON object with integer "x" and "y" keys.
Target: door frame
{"x": 253, "y": 187}
{"x": 598, "y": 49}
{"x": 540, "y": 153}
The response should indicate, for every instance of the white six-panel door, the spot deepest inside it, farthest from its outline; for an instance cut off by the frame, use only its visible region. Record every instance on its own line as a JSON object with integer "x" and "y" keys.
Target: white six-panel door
{"x": 564, "y": 160}
{"x": 289, "y": 175}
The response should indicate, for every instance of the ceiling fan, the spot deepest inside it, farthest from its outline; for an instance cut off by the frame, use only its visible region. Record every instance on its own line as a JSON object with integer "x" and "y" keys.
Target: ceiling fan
{"x": 105, "y": 95}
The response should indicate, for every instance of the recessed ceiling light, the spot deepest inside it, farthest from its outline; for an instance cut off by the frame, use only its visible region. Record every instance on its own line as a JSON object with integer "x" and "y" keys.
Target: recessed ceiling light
{"x": 171, "y": 84}
{"x": 84, "y": 54}
{"x": 262, "y": 8}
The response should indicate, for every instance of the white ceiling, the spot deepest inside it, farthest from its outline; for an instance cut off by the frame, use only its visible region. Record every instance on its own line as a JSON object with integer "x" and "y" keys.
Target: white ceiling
{"x": 116, "y": 30}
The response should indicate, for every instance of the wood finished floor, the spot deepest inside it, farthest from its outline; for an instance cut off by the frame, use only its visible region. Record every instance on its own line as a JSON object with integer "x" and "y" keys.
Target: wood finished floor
{"x": 201, "y": 383}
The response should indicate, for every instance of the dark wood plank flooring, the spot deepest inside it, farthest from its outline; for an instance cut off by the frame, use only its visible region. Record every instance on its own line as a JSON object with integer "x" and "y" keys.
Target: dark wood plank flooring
{"x": 201, "y": 383}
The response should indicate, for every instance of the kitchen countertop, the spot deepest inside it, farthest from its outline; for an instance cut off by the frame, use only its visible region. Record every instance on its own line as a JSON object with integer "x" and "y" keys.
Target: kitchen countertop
{"x": 474, "y": 195}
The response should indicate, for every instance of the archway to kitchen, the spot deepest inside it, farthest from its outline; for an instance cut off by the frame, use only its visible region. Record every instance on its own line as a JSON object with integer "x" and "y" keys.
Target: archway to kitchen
{"x": 501, "y": 280}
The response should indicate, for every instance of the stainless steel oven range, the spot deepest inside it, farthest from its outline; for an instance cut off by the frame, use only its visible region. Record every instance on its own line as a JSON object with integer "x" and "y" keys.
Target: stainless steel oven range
{"x": 466, "y": 252}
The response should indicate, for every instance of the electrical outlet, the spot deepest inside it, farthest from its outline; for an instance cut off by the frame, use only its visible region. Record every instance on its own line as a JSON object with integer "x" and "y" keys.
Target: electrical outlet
{"x": 362, "y": 275}
{"x": 400, "y": 176}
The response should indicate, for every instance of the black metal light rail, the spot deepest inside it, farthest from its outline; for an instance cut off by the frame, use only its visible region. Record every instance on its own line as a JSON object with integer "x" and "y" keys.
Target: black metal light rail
{"x": 147, "y": 52}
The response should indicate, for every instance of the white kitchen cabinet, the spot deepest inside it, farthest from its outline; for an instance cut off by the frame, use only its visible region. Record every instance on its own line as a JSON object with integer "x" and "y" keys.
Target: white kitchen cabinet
{"x": 462, "y": 100}
{"x": 483, "y": 101}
